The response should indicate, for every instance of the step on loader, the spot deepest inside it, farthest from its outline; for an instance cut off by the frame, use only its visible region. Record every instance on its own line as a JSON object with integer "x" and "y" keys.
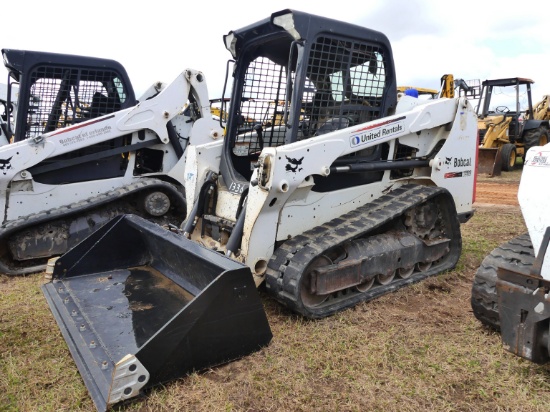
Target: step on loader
{"x": 77, "y": 149}
{"x": 325, "y": 188}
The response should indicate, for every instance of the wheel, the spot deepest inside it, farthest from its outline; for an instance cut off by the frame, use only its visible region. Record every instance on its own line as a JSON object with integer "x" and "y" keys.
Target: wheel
{"x": 157, "y": 203}
{"x": 386, "y": 278}
{"x": 502, "y": 109}
{"x": 535, "y": 137}
{"x": 517, "y": 254}
{"x": 310, "y": 299}
{"x": 423, "y": 266}
{"x": 405, "y": 273}
{"x": 366, "y": 285}
{"x": 508, "y": 154}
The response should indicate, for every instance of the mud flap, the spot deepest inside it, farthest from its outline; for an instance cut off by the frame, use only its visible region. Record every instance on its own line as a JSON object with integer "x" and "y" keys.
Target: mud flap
{"x": 139, "y": 305}
{"x": 489, "y": 161}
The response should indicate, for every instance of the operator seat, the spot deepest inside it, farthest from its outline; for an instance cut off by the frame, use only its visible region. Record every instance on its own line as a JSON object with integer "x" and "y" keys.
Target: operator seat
{"x": 102, "y": 105}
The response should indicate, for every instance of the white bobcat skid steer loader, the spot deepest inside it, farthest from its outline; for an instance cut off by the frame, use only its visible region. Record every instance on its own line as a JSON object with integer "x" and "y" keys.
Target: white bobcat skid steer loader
{"x": 83, "y": 150}
{"x": 324, "y": 187}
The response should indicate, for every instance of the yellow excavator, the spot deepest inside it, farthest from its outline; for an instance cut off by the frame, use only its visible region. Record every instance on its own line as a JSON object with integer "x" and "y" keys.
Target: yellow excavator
{"x": 507, "y": 133}
{"x": 541, "y": 110}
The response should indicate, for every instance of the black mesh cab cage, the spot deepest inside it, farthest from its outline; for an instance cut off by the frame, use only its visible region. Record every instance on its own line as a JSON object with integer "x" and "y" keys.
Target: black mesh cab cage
{"x": 297, "y": 76}
{"x": 58, "y": 90}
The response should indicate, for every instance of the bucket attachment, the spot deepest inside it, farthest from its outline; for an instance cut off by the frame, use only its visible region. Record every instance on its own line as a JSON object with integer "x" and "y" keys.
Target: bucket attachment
{"x": 489, "y": 161}
{"x": 139, "y": 305}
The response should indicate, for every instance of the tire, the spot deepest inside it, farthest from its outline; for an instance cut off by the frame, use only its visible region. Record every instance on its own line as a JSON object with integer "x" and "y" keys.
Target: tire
{"x": 518, "y": 255}
{"x": 509, "y": 156}
{"x": 535, "y": 137}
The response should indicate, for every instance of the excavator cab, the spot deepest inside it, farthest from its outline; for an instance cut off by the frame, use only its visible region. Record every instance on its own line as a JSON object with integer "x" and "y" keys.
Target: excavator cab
{"x": 506, "y": 128}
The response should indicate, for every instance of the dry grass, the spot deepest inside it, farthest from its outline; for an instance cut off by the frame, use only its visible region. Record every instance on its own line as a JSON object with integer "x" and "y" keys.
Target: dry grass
{"x": 417, "y": 349}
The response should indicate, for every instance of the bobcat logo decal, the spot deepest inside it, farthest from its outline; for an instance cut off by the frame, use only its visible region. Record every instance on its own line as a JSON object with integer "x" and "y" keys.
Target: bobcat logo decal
{"x": 5, "y": 164}
{"x": 293, "y": 165}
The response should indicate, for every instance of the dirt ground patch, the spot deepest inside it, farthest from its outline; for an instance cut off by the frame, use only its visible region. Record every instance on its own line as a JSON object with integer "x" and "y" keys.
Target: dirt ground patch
{"x": 491, "y": 194}
{"x": 499, "y": 190}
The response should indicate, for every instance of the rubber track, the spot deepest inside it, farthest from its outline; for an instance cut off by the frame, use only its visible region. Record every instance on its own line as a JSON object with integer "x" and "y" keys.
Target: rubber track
{"x": 73, "y": 210}
{"x": 288, "y": 263}
{"x": 517, "y": 255}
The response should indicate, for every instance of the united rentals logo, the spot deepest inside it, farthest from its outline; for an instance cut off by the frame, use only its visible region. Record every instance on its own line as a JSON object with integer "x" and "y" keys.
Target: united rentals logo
{"x": 377, "y": 131}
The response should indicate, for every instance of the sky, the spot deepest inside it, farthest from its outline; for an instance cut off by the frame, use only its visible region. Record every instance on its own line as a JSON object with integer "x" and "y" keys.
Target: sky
{"x": 156, "y": 41}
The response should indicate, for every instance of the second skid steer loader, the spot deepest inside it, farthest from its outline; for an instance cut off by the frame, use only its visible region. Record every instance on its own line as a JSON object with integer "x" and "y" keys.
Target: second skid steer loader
{"x": 77, "y": 149}
{"x": 324, "y": 188}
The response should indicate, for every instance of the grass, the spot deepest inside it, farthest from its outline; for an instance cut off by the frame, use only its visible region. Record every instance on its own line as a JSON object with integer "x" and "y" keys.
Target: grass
{"x": 417, "y": 349}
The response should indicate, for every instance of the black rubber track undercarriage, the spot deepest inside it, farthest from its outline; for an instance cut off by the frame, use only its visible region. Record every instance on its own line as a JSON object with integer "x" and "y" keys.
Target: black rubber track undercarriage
{"x": 403, "y": 237}
{"x": 27, "y": 243}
